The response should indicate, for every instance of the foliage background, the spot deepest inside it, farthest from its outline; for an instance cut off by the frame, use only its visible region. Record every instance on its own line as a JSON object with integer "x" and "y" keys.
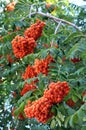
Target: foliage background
{"x": 71, "y": 42}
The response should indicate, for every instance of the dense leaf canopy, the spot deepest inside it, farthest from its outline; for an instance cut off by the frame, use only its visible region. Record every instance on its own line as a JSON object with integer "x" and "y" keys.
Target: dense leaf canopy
{"x": 42, "y": 65}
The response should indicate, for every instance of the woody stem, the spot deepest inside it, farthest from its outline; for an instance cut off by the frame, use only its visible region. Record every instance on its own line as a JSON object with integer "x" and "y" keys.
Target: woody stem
{"x": 57, "y": 19}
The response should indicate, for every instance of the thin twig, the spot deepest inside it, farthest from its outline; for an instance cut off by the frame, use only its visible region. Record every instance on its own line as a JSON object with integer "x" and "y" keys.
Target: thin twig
{"x": 56, "y": 30}
{"x": 33, "y": 6}
{"x": 30, "y": 11}
{"x": 59, "y": 24}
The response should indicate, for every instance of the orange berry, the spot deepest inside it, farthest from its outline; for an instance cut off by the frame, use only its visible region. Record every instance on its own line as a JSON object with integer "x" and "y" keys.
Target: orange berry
{"x": 11, "y": 6}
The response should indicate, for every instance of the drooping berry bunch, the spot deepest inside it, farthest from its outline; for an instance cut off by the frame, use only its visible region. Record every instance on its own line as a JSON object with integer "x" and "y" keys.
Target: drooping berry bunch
{"x": 57, "y": 91}
{"x": 40, "y": 66}
{"x": 40, "y": 109}
{"x": 35, "y": 30}
{"x": 27, "y": 87}
{"x": 22, "y": 46}
{"x": 29, "y": 73}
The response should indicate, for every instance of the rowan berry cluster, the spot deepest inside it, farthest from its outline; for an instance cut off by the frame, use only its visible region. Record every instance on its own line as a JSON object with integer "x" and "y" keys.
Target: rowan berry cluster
{"x": 57, "y": 91}
{"x": 35, "y": 30}
{"x": 42, "y": 66}
{"x": 29, "y": 73}
{"x": 40, "y": 109}
{"x": 27, "y": 87}
{"x": 22, "y": 46}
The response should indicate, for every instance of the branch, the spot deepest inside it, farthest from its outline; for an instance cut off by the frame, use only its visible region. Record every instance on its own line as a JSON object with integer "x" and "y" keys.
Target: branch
{"x": 57, "y": 19}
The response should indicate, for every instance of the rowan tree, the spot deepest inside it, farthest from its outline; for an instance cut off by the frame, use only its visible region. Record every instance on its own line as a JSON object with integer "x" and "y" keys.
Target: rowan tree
{"x": 42, "y": 65}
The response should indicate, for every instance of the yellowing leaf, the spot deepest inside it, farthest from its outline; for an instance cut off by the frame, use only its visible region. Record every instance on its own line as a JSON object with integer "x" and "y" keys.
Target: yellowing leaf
{"x": 54, "y": 12}
{"x": 52, "y": 1}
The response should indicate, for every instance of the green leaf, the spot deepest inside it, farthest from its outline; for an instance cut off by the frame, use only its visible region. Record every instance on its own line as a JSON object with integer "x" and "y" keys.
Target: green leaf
{"x": 76, "y": 49}
{"x": 84, "y": 98}
{"x": 72, "y": 36}
{"x": 60, "y": 116}
{"x": 74, "y": 98}
{"x": 19, "y": 109}
{"x": 58, "y": 121}
{"x": 53, "y": 51}
{"x": 66, "y": 122}
{"x": 83, "y": 128}
{"x": 74, "y": 120}
{"x": 26, "y": 96}
{"x": 53, "y": 124}
{"x": 29, "y": 80}
{"x": 83, "y": 107}
{"x": 68, "y": 109}
{"x": 81, "y": 115}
